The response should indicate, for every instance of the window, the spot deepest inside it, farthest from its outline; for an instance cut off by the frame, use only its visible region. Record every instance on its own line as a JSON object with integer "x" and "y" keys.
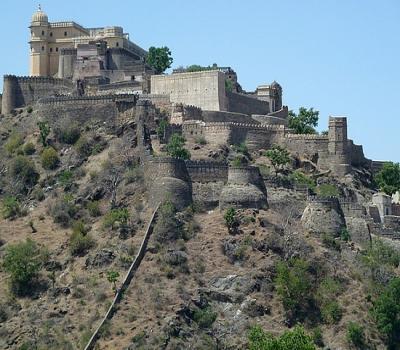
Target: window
{"x": 56, "y": 49}
{"x": 65, "y": 33}
{"x": 117, "y": 44}
{"x": 42, "y": 48}
{"x": 42, "y": 32}
{"x": 51, "y": 33}
{"x": 51, "y": 49}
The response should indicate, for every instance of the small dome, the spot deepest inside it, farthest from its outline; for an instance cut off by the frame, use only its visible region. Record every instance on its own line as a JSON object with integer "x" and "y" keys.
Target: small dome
{"x": 275, "y": 84}
{"x": 40, "y": 16}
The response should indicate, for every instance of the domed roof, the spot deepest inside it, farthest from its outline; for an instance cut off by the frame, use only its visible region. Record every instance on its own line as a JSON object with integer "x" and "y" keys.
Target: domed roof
{"x": 275, "y": 84}
{"x": 39, "y": 16}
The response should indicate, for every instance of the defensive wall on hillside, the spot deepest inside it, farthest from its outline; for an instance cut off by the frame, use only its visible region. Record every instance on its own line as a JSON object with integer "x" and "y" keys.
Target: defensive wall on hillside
{"x": 21, "y": 91}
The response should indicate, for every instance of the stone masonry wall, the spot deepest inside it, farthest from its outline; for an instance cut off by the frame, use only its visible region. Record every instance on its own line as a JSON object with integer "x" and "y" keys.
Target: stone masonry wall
{"x": 241, "y": 103}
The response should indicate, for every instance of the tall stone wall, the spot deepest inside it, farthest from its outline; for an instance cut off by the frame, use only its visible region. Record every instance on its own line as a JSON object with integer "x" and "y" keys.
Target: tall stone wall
{"x": 202, "y": 89}
{"x": 308, "y": 144}
{"x": 21, "y": 91}
{"x": 203, "y": 171}
{"x": 241, "y": 103}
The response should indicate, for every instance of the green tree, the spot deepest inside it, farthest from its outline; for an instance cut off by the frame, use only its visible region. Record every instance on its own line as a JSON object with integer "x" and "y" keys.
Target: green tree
{"x": 44, "y": 131}
{"x": 159, "y": 58}
{"x": 293, "y": 284}
{"x": 49, "y": 158}
{"x": 305, "y": 121}
{"x": 386, "y": 311}
{"x": 388, "y": 178}
{"x": 231, "y": 220}
{"x": 162, "y": 126}
{"x": 112, "y": 277}
{"x": 278, "y": 156}
{"x": 175, "y": 147}
{"x": 294, "y": 339}
{"x": 23, "y": 262}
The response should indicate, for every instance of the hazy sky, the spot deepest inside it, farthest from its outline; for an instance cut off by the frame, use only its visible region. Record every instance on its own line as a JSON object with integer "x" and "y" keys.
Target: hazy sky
{"x": 341, "y": 57}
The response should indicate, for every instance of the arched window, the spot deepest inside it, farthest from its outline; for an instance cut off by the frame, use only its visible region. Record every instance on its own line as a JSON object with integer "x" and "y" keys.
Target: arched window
{"x": 51, "y": 33}
{"x": 117, "y": 44}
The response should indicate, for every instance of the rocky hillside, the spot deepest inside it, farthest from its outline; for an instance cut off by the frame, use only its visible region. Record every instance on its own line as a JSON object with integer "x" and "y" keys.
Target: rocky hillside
{"x": 75, "y": 210}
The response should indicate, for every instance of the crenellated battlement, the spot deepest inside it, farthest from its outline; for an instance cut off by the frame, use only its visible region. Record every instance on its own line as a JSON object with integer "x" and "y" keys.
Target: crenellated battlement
{"x": 306, "y": 137}
{"x": 38, "y": 80}
{"x": 206, "y": 171}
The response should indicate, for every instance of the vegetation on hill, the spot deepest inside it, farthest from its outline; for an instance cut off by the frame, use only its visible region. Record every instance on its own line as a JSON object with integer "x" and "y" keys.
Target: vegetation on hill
{"x": 305, "y": 121}
{"x": 388, "y": 178}
{"x": 159, "y": 58}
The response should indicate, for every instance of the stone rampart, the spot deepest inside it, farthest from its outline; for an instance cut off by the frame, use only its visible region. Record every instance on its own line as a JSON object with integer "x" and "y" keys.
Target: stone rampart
{"x": 223, "y": 117}
{"x": 205, "y": 171}
{"x": 21, "y": 91}
{"x": 241, "y": 103}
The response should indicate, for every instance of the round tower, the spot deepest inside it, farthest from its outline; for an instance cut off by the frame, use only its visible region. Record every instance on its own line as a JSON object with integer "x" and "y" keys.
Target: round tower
{"x": 10, "y": 94}
{"x": 39, "y": 56}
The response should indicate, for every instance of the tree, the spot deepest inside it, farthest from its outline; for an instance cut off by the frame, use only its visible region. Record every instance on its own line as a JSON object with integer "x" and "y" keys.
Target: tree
{"x": 159, "y": 58}
{"x": 386, "y": 311}
{"x": 293, "y": 285}
{"x": 294, "y": 339}
{"x": 49, "y": 158}
{"x": 23, "y": 262}
{"x": 305, "y": 121}
{"x": 175, "y": 147}
{"x": 112, "y": 277}
{"x": 44, "y": 131}
{"x": 231, "y": 220}
{"x": 388, "y": 178}
{"x": 23, "y": 173}
{"x": 278, "y": 156}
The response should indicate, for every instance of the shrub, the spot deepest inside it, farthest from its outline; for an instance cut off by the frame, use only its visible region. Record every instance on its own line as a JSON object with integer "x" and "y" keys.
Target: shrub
{"x": 10, "y": 208}
{"x": 23, "y": 169}
{"x": 80, "y": 243}
{"x": 49, "y": 158}
{"x": 327, "y": 190}
{"x": 299, "y": 178}
{"x": 175, "y": 147}
{"x": 293, "y": 284}
{"x": 112, "y": 277}
{"x": 204, "y": 317}
{"x": 44, "y": 131}
{"x": 330, "y": 242}
{"x": 355, "y": 335}
{"x": 345, "y": 235}
{"x": 65, "y": 178}
{"x": 29, "y": 110}
{"x": 29, "y": 149}
{"x": 278, "y": 156}
{"x": 84, "y": 147}
{"x": 241, "y": 148}
{"x": 168, "y": 227}
{"x": 23, "y": 262}
{"x": 63, "y": 211}
{"x": 133, "y": 174}
{"x": 331, "y": 312}
{"x": 201, "y": 140}
{"x": 38, "y": 194}
{"x": 238, "y": 161}
{"x": 120, "y": 215}
{"x": 67, "y": 132}
{"x": 93, "y": 208}
{"x": 380, "y": 253}
{"x": 13, "y": 143}
{"x": 231, "y": 220}
{"x": 162, "y": 126}
{"x": 386, "y": 311}
{"x": 388, "y": 178}
{"x": 317, "y": 337}
{"x": 294, "y": 339}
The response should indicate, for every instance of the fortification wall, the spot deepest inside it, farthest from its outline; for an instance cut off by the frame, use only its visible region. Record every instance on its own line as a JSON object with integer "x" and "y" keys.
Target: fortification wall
{"x": 268, "y": 119}
{"x": 202, "y": 89}
{"x": 245, "y": 104}
{"x": 204, "y": 171}
{"x": 156, "y": 168}
{"x": 207, "y": 194}
{"x": 305, "y": 144}
{"x": 282, "y": 113}
{"x": 223, "y": 117}
{"x": 356, "y": 154}
{"x": 246, "y": 175}
{"x": 21, "y": 91}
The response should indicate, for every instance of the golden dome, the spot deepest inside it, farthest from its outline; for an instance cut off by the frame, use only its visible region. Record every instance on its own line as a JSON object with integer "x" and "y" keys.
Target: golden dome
{"x": 40, "y": 16}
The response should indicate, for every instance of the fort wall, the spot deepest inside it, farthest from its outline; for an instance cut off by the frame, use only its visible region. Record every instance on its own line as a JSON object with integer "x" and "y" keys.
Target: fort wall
{"x": 241, "y": 103}
{"x": 21, "y": 91}
{"x": 202, "y": 89}
{"x": 204, "y": 171}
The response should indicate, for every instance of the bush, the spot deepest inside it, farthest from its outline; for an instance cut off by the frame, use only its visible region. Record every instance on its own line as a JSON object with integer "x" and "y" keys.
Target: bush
{"x": 23, "y": 262}
{"x": 327, "y": 190}
{"x": 299, "y": 178}
{"x": 293, "y": 284}
{"x": 133, "y": 174}
{"x": 80, "y": 242}
{"x": 326, "y": 296}
{"x": 317, "y": 337}
{"x": 175, "y": 147}
{"x": 65, "y": 178}
{"x": 23, "y": 169}
{"x": 294, "y": 339}
{"x": 44, "y": 131}
{"x": 49, "y": 158}
{"x": 386, "y": 311}
{"x": 29, "y": 149}
{"x": 330, "y": 242}
{"x": 231, "y": 220}
{"x": 93, "y": 208}
{"x": 63, "y": 211}
{"x": 355, "y": 335}
{"x": 13, "y": 143}
{"x": 120, "y": 215}
{"x": 168, "y": 227}
{"x": 388, "y": 178}
{"x": 278, "y": 156}
{"x": 84, "y": 147}
{"x": 38, "y": 194}
{"x": 241, "y": 148}
{"x": 161, "y": 128}
{"x": 331, "y": 312}
{"x": 200, "y": 140}
{"x": 10, "y": 208}
{"x": 345, "y": 235}
{"x": 29, "y": 110}
{"x": 67, "y": 132}
{"x": 204, "y": 317}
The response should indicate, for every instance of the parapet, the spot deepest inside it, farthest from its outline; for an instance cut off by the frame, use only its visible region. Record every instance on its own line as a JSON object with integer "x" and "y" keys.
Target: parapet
{"x": 206, "y": 171}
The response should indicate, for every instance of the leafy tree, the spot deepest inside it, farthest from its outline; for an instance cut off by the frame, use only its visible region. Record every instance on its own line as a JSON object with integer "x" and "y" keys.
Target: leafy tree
{"x": 304, "y": 122}
{"x": 355, "y": 335}
{"x": 294, "y": 339}
{"x": 388, "y": 178}
{"x": 175, "y": 147}
{"x": 231, "y": 220}
{"x": 278, "y": 156}
{"x": 44, "y": 131}
{"x": 293, "y": 283}
{"x": 112, "y": 277}
{"x": 386, "y": 311}
{"x": 23, "y": 262}
{"x": 159, "y": 58}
